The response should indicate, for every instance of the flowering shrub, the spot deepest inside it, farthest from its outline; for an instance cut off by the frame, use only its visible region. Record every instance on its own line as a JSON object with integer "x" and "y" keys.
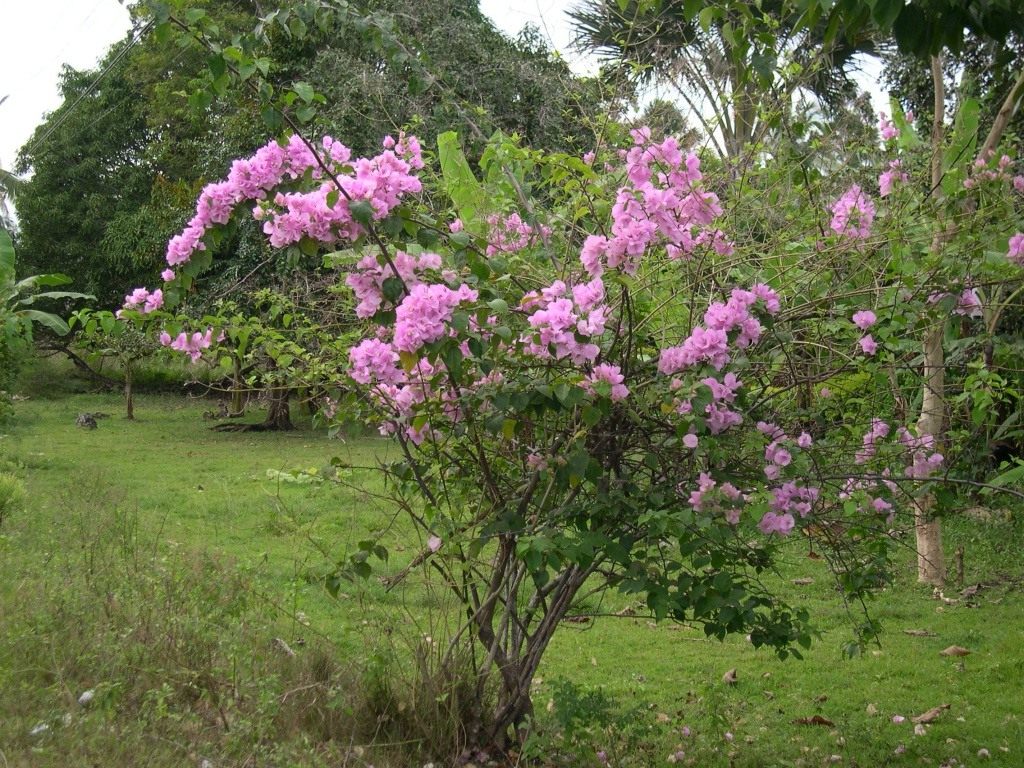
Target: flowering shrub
{"x": 610, "y": 391}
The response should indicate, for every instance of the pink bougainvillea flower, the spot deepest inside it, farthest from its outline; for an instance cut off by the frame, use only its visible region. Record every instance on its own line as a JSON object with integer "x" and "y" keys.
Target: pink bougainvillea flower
{"x": 852, "y": 214}
{"x": 886, "y": 127}
{"x": 609, "y": 374}
{"x": 864, "y": 319}
{"x": 1015, "y": 252}
{"x": 868, "y": 345}
{"x": 968, "y": 304}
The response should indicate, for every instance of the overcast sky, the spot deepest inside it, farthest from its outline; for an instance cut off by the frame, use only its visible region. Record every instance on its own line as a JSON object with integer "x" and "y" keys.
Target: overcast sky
{"x": 42, "y": 35}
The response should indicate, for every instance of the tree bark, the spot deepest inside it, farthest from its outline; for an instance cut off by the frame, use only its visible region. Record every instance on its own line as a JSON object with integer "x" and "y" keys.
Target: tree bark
{"x": 129, "y": 397}
{"x": 931, "y": 566}
{"x": 278, "y": 413}
{"x": 237, "y": 401}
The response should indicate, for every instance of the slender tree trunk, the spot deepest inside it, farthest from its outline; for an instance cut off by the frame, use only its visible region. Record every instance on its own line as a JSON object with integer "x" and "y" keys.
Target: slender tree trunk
{"x": 237, "y": 401}
{"x": 931, "y": 566}
{"x": 129, "y": 397}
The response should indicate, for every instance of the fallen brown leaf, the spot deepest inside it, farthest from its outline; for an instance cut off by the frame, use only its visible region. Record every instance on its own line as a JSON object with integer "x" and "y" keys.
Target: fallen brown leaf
{"x": 931, "y": 715}
{"x": 954, "y": 650}
{"x": 730, "y": 677}
{"x": 803, "y": 582}
{"x": 816, "y": 720}
{"x": 918, "y": 633}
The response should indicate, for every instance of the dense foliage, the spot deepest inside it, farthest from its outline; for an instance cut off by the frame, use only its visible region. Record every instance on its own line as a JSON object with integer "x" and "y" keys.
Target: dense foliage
{"x": 114, "y": 170}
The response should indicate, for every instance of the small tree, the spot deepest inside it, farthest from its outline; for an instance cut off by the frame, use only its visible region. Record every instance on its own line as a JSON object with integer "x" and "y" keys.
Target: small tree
{"x": 117, "y": 337}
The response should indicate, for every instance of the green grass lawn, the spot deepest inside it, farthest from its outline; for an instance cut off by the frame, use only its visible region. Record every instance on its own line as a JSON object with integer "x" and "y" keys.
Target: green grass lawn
{"x": 168, "y": 568}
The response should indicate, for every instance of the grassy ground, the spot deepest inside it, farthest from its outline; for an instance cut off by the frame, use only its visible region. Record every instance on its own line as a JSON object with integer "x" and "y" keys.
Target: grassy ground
{"x": 173, "y": 571}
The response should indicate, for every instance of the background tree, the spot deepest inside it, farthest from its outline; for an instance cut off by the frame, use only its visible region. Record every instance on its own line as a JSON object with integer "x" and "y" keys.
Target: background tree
{"x": 116, "y": 168}
{"x": 731, "y": 63}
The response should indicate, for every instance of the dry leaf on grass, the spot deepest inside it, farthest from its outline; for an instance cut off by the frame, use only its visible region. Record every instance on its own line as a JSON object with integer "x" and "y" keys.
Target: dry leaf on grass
{"x": 730, "y": 677}
{"x": 930, "y": 716}
{"x": 919, "y": 632}
{"x": 954, "y": 650}
{"x": 816, "y": 720}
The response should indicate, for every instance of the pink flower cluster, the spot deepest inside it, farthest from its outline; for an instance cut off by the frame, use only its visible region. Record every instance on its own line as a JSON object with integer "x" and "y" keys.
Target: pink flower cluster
{"x": 886, "y": 127}
{"x": 878, "y": 431}
{"x": 375, "y": 363}
{"x": 888, "y": 178}
{"x": 610, "y": 374}
{"x": 789, "y": 498}
{"x": 509, "y": 234}
{"x": 852, "y": 214}
{"x": 725, "y": 498}
{"x": 667, "y": 208}
{"x": 968, "y": 303}
{"x": 144, "y": 301}
{"x": 424, "y": 314}
{"x": 980, "y": 172}
{"x": 367, "y": 282}
{"x": 719, "y": 416}
{"x": 1015, "y": 252}
{"x": 561, "y": 316}
{"x": 924, "y": 460}
{"x": 380, "y": 181}
{"x": 864, "y": 319}
{"x": 191, "y": 344}
{"x": 710, "y": 343}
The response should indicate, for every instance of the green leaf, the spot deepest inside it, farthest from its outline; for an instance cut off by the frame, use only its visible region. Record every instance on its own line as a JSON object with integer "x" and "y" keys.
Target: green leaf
{"x": 6, "y": 258}
{"x": 272, "y": 118}
{"x": 460, "y": 183}
{"x": 886, "y": 11}
{"x": 47, "y": 319}
{"x": 362, "y": 211}
{"x": 392, "y": 288}
{"x": 304, "y": 90}
{"x": 297, "y": 27}
{"x": 960, "y": 151}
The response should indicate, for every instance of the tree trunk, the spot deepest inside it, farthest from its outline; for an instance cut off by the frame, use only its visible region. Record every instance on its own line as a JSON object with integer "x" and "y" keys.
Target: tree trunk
{"x": 931, "y": 566}
{"x": 278, "y": 414}
{"x": 237, "y": 401}
{"x": 129, "y": 397}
